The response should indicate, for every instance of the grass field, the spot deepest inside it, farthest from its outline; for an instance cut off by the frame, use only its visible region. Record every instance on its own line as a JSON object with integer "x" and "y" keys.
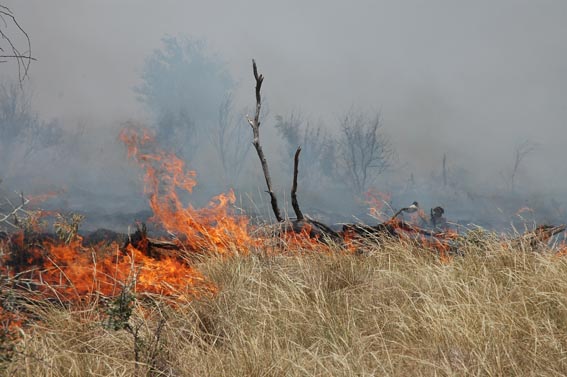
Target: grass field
{"x": 397, "y": 309}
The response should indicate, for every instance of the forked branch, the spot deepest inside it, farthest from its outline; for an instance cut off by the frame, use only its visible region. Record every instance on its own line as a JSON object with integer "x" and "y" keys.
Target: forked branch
{"x": 255, "y": 124}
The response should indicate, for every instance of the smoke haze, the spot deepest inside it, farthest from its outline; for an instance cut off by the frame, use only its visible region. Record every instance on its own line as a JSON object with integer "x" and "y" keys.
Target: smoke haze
{"x": 470, "y": 80}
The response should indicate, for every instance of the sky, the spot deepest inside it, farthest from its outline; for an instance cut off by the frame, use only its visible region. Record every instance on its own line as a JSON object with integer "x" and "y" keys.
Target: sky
{"x": 470, "y": 79}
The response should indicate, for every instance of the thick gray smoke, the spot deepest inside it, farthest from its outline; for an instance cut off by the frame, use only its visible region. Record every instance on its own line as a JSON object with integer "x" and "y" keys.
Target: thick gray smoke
{"x": 472, "y": 82}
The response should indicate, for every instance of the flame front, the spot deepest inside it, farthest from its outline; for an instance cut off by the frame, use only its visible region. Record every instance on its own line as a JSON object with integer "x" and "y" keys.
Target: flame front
{"x": 73, "y": 272}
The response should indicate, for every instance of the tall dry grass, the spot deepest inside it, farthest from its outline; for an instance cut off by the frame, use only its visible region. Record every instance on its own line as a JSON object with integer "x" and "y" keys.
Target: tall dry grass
{"x": 395, "y": 310}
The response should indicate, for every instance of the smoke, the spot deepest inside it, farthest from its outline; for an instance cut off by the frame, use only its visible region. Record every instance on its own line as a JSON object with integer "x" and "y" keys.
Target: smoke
{"x": 471, "y": 81}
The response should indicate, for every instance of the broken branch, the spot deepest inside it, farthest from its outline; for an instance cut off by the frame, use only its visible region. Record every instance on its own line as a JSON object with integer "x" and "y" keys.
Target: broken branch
{"x": 294, "y": 202}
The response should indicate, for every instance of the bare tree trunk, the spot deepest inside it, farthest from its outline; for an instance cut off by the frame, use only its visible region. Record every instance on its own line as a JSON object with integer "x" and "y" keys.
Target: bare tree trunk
{"x": 255, "y": 124}
{"x": 294, "y": 202}
{"x": 519, "y": 154}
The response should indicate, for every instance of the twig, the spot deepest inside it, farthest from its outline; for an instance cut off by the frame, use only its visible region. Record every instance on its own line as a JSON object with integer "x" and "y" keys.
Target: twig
{"x": 23, "y": 59}
{"x": 15, "y": 210}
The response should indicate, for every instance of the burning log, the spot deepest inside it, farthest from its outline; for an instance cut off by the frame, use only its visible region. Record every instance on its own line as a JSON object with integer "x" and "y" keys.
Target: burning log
{"x": 151, "y": 247}
{"x": 444, "y": 241}
{"x": 312, "y": 228}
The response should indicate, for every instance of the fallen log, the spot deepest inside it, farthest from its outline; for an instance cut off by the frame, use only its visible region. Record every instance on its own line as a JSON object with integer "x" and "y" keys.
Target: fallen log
{"x": 391, "y": 227}
{"x": 441, "y": 242}
{"x": 139, "y": 239}
{"x": 151, "y": 247}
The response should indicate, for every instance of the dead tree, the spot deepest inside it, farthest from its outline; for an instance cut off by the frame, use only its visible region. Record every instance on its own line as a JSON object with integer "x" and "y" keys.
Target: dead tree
{"x": 314, "y": 228}
{"x": 365, "y": 152}
{"x": 255, "y": 124}
{"x": 520, "y": 154}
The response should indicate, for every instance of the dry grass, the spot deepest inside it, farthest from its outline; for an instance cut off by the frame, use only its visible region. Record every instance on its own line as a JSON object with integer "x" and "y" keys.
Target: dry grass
{"x": 396, "y": 310}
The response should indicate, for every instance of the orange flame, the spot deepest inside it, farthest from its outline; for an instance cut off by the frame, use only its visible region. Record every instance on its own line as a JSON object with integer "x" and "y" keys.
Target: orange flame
{"x": 561, "y": 250}
{"x": 73, "y": 272}
{"x": 40, "y": 198}
{"x": 302, "y": 240}
{"x": 213, "y": 228}
{"x": 377, "y": 201}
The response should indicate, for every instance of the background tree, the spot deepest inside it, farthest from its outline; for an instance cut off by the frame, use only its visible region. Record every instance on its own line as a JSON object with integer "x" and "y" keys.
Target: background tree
{"x": 177, "y": 130}
{"x": 231, "y": 141}
{"x": 365, "y": 151}
{"x": 22, "y": 133}
{"x": 183, "y": 86}
{"x": 520, "y": 153}
{"x": 318, "y": 158}
{"x": 353, "y": 157}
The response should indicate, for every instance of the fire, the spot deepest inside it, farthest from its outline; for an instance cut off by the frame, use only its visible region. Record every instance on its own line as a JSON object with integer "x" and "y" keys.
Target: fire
{"x": 561, "y": 249}
{"x": 377, "y": 202}
{"x": 305, "y": 240}
{"x": 213, "y": 228}
{"x": 440, "y": 244}
{"x": 40, "y": 198}
{"x": 73, "y": 272}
